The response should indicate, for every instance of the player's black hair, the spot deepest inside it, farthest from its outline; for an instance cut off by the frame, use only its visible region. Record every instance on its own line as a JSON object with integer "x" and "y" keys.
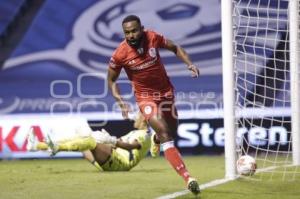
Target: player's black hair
{"x": 131, "y": 18}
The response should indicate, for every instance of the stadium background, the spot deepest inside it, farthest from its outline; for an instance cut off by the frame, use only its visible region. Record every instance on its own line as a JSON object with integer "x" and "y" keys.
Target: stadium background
{"x": 54, "y": 60}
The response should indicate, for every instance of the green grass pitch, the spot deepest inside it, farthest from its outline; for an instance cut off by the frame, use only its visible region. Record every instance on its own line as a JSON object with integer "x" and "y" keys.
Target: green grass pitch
{"x": 152, "y": 178}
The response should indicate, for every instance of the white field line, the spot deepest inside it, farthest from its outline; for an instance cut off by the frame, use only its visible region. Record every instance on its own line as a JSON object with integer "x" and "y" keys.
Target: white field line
{"x": 213, "y": 184}
{"x": 272, "y": 168}
{"x": 203, "y": 186}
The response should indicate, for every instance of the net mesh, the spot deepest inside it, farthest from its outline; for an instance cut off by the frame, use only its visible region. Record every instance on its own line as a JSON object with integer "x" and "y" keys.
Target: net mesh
{"x": 261, "y": 62}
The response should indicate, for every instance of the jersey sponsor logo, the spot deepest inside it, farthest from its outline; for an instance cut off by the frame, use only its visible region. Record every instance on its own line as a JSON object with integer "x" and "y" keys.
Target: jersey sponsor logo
{"x": 131, "y": 62}
{"x": 144, "y": 65}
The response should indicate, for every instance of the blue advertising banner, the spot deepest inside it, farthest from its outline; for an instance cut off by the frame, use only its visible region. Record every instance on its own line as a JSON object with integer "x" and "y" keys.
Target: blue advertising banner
{"x": 60, "y": 65}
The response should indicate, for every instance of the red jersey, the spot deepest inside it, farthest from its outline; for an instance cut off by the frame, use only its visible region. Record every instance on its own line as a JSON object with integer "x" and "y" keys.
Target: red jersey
{"x": 144, "y": 67}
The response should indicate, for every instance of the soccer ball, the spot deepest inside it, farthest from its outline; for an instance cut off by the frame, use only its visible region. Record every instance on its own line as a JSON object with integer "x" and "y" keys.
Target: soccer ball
{"x": 246, "y": 165}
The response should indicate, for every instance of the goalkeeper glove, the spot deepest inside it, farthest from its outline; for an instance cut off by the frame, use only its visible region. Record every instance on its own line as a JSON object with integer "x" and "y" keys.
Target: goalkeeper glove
{"x": 104, "y": 137}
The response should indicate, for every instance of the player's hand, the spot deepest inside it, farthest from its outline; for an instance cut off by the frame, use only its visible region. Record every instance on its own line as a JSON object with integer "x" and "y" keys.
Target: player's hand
{"x": 125, "y": 110}
{"x": 195, "y": 71}
{"x": 104, "y": 138}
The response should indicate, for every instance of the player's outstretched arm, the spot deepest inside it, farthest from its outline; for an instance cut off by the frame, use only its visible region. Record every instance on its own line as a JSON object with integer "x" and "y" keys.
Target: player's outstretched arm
{"x": 112, "y": 77}
{"x": 128, "y": 146}
{"x": 106, "y": 138}
{"x": 181, "y": 54}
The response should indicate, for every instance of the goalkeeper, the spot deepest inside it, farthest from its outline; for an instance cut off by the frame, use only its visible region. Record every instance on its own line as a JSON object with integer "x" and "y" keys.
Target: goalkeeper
{"x": 104, "y": 151}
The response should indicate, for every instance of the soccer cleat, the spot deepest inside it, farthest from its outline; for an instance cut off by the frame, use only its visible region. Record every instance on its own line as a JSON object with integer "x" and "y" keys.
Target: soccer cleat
{"x": 155, "y": 148}
{"x": 31, "y": 141}
{"x": 52, "y": 147}
{"x": 193, "y": 186}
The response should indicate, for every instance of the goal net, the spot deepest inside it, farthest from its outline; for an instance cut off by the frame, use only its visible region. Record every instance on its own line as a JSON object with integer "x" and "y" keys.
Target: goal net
{"x": 263, "y": 84}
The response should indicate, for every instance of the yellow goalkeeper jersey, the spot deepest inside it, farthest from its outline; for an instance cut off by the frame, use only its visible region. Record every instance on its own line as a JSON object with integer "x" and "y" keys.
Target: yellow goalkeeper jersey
{"x": 124, "y": 160}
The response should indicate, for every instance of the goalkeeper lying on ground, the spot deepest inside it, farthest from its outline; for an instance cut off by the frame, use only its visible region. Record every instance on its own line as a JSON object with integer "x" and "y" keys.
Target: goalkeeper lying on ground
{"x": 103, "y": 150}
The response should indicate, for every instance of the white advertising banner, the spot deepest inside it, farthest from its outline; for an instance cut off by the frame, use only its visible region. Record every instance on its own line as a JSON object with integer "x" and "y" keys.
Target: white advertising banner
{"x": 14, "y": 131}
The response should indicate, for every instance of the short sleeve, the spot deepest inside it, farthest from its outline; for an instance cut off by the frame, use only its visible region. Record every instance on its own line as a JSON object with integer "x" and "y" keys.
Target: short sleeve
{"x": 160, "y": 40}
{"x": 114, "y": 63}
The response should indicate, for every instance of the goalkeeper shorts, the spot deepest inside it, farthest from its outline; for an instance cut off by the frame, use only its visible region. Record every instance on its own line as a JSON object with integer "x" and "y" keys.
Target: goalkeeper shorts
{"x": 119, "y": 160}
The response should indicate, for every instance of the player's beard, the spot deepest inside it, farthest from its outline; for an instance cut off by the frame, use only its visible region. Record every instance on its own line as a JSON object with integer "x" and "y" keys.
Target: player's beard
{"x": 135, "y": 43}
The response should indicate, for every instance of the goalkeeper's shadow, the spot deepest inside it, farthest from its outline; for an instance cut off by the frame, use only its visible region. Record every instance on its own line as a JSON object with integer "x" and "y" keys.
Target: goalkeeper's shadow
{"x": 141, "y": 170}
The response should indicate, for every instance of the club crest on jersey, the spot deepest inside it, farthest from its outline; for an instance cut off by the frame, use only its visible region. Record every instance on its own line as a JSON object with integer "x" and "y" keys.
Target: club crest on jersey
{"x": 152, "y": 52}
{"x": 148, "y": 110}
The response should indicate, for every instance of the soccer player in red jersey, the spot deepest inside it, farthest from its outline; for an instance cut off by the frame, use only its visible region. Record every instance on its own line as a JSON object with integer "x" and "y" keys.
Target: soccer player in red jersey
{"x": 139, "y": 55}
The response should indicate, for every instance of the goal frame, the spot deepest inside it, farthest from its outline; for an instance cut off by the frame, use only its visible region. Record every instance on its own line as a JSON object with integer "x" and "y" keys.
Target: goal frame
{"x": 229, "y": 81}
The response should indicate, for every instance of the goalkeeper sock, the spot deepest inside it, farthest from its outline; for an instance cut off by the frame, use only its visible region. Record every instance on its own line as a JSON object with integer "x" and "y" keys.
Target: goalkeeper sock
{"x": 96, "y": 165}
{"x": 174, "y": 158}
{"x": 78, "y": 144}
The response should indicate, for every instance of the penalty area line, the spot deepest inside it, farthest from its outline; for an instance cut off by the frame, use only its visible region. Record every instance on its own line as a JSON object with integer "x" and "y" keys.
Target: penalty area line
{"x": 202, "y": 187}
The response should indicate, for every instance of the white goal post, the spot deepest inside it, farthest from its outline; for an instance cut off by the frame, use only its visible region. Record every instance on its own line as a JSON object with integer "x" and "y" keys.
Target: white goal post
{"x": 261, "y": 83}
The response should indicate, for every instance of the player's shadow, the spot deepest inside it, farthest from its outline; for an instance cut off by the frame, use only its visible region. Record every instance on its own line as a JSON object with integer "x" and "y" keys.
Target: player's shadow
{"x": 141, "y": 170}
{"x": 73, "y": 171}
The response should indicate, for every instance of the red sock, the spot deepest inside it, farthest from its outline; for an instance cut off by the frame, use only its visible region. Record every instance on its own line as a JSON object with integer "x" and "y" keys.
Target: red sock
{"x": 174, "y": 158}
